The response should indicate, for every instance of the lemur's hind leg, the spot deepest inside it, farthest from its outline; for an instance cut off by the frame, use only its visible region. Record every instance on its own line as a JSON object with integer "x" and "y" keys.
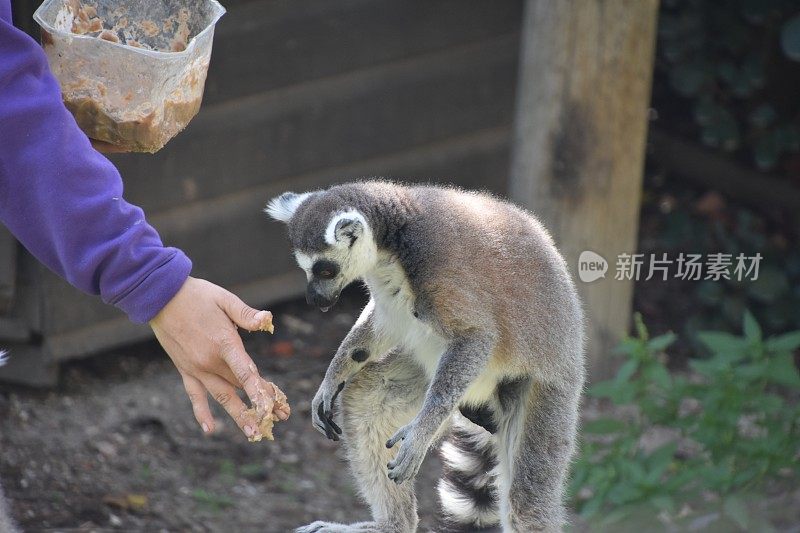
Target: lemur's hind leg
{"x": 382, "y": 397}
{"x": 536, "y": 439}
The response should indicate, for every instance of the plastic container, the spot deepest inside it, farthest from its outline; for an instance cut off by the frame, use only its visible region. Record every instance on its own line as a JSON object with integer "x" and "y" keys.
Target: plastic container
{"x": 141, "y": 91}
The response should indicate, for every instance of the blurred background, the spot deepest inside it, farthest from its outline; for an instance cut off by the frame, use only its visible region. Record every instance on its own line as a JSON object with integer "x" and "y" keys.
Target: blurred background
{"x": 629, "y": 127}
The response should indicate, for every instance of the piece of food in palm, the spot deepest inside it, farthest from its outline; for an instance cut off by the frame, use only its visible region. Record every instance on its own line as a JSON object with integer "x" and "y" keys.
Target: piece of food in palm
{"x": 270, "y": 406}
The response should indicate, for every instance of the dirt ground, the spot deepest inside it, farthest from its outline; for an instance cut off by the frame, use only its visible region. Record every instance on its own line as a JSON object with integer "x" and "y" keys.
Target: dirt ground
{"x": 116, "y": 445}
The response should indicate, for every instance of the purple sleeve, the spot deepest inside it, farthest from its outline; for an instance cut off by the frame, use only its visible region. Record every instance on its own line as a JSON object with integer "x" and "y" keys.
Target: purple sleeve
{"x": 63, "y": 200}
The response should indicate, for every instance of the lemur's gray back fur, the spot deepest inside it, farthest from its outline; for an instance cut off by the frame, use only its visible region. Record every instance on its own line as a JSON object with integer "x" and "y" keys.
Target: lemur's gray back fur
{"x": 516, "y": 275}
{"x": 469, "y": 294}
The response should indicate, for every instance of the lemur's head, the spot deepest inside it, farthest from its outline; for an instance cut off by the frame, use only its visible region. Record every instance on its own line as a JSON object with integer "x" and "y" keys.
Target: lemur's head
{"x": 333, "y": 242}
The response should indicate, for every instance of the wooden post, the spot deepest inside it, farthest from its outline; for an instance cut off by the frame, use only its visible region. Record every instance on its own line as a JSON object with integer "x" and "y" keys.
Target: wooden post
{"x": 8, "y": 269}
{"x": 579, "y": 141}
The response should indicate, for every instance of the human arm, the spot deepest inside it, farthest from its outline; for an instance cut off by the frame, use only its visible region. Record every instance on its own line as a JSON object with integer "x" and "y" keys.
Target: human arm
{"x": 64, "y": 202}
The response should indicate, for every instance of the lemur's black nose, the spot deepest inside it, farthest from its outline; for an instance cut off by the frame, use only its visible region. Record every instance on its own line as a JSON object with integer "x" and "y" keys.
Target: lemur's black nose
{"x": 317, "y": 299}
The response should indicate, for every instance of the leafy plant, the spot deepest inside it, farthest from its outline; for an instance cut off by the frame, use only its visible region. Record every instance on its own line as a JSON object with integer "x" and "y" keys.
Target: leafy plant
{"x": 732, "y": 426}
{"x": 730, "y": 59}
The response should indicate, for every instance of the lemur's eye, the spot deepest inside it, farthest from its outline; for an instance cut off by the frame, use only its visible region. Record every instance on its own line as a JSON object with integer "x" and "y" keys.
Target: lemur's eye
{"x": 325, "y": 269}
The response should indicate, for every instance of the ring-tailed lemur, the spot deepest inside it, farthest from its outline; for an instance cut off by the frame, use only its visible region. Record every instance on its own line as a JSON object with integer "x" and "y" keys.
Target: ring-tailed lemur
{"x": 473, "y": 327}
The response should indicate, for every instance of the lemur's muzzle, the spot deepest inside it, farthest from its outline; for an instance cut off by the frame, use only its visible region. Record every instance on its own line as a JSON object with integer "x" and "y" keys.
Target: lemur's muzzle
{"x": 317, "y": 299}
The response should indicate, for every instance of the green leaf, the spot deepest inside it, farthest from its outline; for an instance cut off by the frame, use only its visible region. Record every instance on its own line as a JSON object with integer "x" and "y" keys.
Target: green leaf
{"x": 790, "y": 38}
{"x": 663, "y": 502}
{"x": 762, "y": 116}
{"x": 604, "y": 389}
{"x": 788, "y": 342}
{"x": 788, "y": 137}
{"x": 752, "y": 331}
{"x": 708, "y": 367}
{"x": 659, "y": 375}
{"x": 725, "y": 344}
{"x": 705, "y": 109}
{"x": 770, "y": 285}
{"x": 624, "y": 493}
{"x": 591, "y": 507}
{"x": 614, "y": 516}
{"x": 710, "y": 293}
{"x": 767, "y": 151}
{"x": 722, "y": 130}
{"x": 735, "y": 509}
{"x": 726, "y": 71}
{"x": 688, "y": 78}
{"x": 626, "y": 371}
{"x": 659, "y": 461}
{"x": 604, "y": 426}
{"x": 661, "y": 343}
{"x": 753, "y": 71}
{"x": 756, "y": 11}
{"x": 782, "y": 370}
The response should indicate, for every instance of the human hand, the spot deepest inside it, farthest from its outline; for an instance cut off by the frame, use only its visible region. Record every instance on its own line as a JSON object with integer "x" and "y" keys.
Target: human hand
{"x": 197, "y": 329}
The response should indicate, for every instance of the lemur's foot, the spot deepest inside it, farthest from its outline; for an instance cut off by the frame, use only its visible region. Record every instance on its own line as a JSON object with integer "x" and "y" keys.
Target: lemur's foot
{"x": 332, "y": 527}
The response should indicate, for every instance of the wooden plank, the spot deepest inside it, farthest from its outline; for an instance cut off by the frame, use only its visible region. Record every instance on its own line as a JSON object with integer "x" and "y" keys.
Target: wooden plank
{"x": 706, "y": 168}
{"x": 8, "y": 269}
{"x": 29, "y": 364}
{"x": 579, "y": 141}
{"x": 328, "y": 123}
{"x": 234, "y": 227}
{"x": 266, "y": 45}
{"x": 13, "y": 330}
{"x": 99, "y": 336}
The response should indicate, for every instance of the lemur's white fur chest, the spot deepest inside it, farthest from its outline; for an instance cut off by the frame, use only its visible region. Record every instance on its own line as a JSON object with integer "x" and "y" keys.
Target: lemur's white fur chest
{"x": 394, "y": 315}
{"x": 395, "y": 322}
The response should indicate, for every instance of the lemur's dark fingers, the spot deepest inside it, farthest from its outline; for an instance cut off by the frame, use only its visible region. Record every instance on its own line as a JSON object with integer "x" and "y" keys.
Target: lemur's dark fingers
{"x": 321, "y": 427}
{"x": 334, "y": 425}
{"x": 328, "y": 430}
{"x": 338, "y": 390}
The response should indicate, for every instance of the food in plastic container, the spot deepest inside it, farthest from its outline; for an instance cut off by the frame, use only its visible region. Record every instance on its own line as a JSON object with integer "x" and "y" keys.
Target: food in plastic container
{"x": 131, "y": 72}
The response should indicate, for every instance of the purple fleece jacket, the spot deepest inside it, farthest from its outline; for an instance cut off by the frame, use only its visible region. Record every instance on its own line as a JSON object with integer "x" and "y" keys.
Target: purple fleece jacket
{"x": 63, "y": 200}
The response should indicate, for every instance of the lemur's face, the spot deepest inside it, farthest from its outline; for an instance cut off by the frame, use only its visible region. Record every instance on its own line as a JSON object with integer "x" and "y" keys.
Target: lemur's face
{"x": 332, "y": 244}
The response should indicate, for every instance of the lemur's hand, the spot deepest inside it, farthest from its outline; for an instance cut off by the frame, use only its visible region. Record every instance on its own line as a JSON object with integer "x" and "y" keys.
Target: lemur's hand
{"x": 322, "y": 409}
{"x": 408, "y": 460}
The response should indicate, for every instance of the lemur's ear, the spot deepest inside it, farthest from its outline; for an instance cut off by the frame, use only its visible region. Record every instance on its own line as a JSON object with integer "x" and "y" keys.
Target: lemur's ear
{"x": 345, "y": 228}
{"x": 283, "y": 207}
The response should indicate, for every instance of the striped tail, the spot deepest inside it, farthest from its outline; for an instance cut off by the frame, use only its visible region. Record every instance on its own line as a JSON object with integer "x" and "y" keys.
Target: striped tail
{"x": 468, "y": 490}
